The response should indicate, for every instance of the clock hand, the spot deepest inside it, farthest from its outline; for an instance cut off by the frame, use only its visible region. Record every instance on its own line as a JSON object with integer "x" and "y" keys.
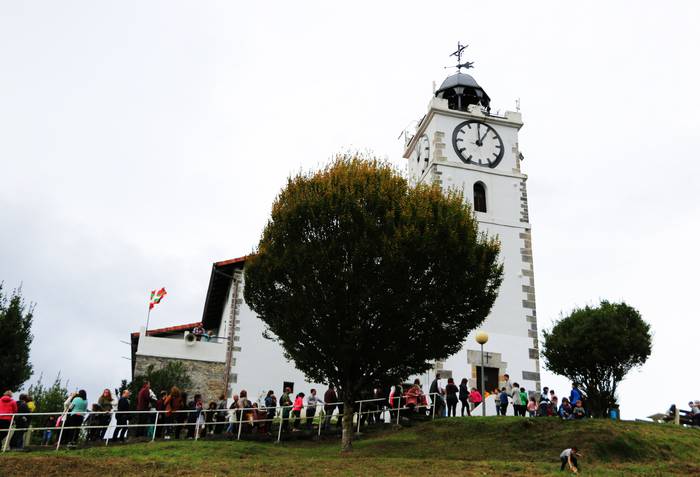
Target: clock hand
{"x": 478, "y": 134}
{"x": 481, "y": 139}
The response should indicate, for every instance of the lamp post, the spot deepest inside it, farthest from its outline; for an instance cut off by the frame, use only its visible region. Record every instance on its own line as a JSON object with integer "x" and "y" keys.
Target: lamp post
{"x": 482, "y": 337}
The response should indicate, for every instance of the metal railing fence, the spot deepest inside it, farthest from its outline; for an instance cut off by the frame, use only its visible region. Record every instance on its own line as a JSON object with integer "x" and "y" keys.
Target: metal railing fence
{"x": 236, "y": 419}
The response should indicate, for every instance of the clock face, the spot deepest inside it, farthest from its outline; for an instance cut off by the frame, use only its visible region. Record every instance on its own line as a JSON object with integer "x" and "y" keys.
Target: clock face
{"x": 423, "y": 149}
{"x": 477, "y": 143}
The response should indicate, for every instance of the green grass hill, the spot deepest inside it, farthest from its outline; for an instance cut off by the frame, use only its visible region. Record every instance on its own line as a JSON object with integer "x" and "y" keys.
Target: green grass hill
{"x": 457, "y": 446}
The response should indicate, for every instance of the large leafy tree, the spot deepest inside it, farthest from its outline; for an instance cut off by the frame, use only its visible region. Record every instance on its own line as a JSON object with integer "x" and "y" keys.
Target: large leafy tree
{"x": 363, "y": 279}
{"x": 174, "y": 373}
{"x": 15, "y": 340}
{"x": 596, "y": 347}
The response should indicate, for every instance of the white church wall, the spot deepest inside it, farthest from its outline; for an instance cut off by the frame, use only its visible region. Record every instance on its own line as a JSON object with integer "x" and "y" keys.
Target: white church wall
{"x": 260, "y": 364}
{"x": 179, "y": 349}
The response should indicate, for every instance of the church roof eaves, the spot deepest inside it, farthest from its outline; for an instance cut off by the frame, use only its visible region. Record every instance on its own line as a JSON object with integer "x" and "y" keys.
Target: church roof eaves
{"x": 168, "y": 329}
{"x": 217, "y": 293}
{"x": 223, "y": 263}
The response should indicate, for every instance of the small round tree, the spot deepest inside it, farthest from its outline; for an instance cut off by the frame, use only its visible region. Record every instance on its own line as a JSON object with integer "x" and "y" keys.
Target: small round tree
{"x": 596, "y": 347}
{"x": 363, "y": 279}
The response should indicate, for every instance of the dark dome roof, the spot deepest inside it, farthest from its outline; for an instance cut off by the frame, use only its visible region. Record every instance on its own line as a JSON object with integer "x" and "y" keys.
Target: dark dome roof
{"x": 461, "y": 90}
{"x": 458, "y": 79}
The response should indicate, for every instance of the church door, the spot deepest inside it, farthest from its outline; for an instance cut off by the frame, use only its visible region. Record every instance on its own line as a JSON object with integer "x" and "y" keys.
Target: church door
{"x": 490, "y": 378}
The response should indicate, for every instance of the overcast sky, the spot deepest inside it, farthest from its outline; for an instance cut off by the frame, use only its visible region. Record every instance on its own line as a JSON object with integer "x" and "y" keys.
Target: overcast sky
{"x": 142, "y": 141}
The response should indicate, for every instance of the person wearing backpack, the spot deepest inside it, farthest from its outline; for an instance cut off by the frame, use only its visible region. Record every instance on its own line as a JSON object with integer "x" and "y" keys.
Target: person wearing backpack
{"x": 516, "y": 399}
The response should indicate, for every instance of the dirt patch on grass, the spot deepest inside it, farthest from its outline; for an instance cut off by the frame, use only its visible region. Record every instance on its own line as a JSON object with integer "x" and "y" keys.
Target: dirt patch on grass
{"x": 55, "y": 466}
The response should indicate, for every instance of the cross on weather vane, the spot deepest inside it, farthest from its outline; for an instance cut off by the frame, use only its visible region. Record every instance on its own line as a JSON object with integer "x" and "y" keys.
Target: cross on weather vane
{"x": 458, "y": 54}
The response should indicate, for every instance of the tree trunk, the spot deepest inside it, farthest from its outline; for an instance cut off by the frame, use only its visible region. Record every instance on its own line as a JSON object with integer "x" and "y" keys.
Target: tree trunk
{"x": 348, "y": 428}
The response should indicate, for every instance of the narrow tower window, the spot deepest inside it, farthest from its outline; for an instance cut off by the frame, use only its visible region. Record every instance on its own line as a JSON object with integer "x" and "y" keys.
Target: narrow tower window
{"x": 479, "y": 197}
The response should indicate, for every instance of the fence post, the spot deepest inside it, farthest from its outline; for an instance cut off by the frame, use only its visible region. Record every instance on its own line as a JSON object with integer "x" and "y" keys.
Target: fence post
{"x": 9, "y": 434}
{"x": 107, "y": 428}
{"x": 321, "y": 420}
{"x": 196, "y": 427}
{"x": 435, "y": 398}
{"x": 155, "y": 427}
{"x": 398, "y": 411}
{"x": 359, "y": 417}
{"x": 60, "y": 434}
{"x": 240, "y": 424}
{"x": 279, "y": 431}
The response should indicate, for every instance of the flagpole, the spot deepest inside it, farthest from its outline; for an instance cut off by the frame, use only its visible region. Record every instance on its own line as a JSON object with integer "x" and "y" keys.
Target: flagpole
{"x": 148, "y": 317}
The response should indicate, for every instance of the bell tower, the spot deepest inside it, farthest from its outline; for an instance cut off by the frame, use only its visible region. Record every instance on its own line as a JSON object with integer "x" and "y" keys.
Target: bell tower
{"x": 461, "y": 144}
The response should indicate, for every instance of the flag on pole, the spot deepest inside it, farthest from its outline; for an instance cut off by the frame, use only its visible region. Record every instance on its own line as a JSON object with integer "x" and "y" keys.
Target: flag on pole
{"x": 156, "y": 297}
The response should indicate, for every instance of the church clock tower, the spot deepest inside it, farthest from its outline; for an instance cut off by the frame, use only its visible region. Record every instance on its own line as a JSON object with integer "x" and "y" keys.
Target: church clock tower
{"x": 460, "y": 144}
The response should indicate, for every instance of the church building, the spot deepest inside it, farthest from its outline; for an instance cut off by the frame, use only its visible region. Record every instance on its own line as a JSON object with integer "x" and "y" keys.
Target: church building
{"x": 459, "y": 143}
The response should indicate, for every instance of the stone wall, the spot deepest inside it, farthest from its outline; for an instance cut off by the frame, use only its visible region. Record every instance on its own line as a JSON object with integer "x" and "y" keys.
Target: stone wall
{"x": 207, "y": 377}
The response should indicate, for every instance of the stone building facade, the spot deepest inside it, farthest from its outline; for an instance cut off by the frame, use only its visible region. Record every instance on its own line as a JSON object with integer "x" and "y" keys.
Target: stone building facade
{"x": 206, "y": 376}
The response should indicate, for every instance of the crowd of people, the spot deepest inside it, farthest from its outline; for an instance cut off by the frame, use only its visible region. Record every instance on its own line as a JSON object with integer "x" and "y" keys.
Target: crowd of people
{"x": 173, "y": 414}
{"x": 8, "y": 406}
{"x": 511, "y": 398}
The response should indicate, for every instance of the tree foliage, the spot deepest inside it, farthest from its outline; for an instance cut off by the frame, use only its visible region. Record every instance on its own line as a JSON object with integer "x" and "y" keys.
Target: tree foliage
{"x": 15, "y": 340}
{"x": 51, "y": 398}
{"x": 172, "y": 374}
{"x": 596, "y": 347}
{"x": 364, "y": 280}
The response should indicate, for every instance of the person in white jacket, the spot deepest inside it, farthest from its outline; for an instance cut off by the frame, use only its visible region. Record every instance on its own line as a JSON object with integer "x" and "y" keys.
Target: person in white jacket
{"x": 312, "y": 401}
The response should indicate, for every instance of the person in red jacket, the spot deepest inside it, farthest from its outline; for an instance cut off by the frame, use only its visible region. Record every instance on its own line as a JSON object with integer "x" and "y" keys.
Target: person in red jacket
{"x": 8, "y": 406}
{"x": 143, "y": 403}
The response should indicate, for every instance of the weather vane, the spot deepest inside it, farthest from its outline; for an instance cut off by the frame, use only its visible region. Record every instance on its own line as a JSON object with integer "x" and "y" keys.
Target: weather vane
{"x": 458, "y": 54}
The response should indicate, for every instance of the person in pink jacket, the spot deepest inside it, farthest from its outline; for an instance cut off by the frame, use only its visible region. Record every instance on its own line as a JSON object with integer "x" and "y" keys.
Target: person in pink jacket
{"x": 474, "y": 398}
{"x": 414, "y": 397}
{"x": 8, "y": 406}
{"x": 296, "y": 410}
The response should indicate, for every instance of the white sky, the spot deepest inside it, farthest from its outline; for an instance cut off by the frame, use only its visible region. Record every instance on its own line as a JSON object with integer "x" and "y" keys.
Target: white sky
{"x": 141, "y": 141}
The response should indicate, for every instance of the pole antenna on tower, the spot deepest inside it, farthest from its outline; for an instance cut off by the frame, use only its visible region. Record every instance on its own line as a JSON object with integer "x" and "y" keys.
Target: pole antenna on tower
{"x": 458, "y": 54}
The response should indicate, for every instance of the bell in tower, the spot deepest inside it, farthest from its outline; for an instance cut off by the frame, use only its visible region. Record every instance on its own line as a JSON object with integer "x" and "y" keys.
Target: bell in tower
{"x": 461, "y": 90}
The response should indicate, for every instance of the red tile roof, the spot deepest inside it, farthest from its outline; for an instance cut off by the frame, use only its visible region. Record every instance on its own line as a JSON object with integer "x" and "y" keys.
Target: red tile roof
{"x": 229, "y": 262}
{"x": 169, "y": 329}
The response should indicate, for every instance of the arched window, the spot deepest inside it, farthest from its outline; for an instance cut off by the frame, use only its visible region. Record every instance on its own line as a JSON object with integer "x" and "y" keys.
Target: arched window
{"x": 479, "y": 197}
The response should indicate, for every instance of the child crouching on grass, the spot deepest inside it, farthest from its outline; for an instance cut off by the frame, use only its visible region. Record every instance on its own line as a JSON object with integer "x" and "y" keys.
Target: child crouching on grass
{"x": 568, "y": 458}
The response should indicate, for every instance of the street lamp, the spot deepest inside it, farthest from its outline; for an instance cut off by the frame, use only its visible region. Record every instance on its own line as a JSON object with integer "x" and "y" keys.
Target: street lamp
{"x": 482, "y": 337}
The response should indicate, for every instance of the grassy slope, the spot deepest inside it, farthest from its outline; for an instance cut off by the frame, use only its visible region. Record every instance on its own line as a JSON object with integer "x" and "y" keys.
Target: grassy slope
{"x": 476, "y": 446}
